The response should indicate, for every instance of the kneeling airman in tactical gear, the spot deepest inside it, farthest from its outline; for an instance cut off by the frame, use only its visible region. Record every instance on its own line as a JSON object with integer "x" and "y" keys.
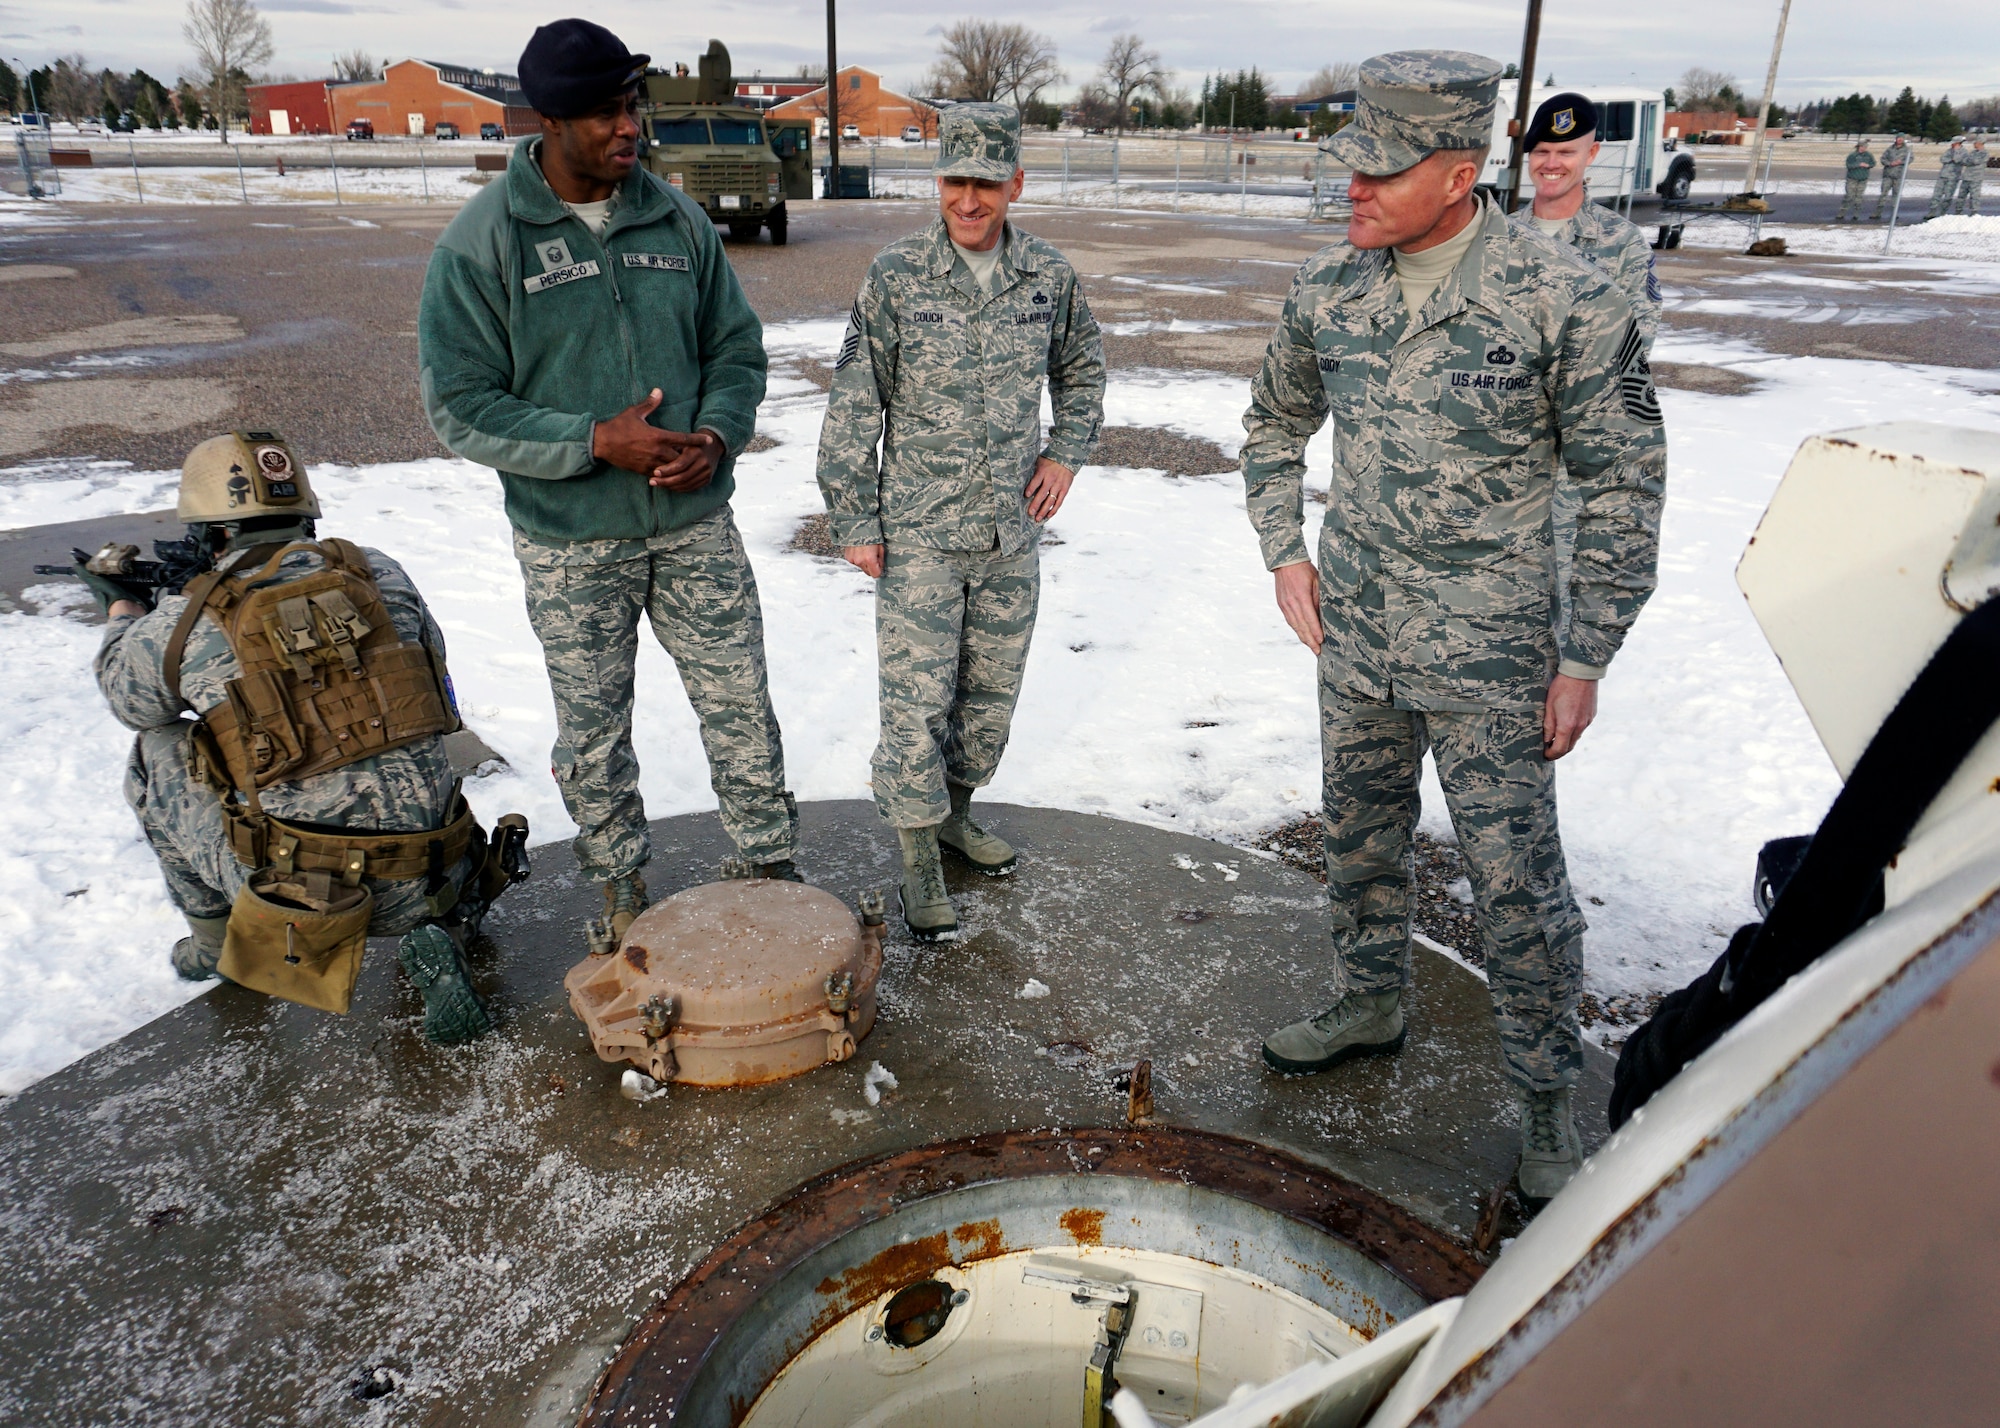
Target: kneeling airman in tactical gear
{"x": 290, "y": 770}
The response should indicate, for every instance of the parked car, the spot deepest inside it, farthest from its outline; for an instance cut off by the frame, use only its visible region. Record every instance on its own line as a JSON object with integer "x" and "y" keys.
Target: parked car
{"x": 361, "y": 128}
{"x": 850, "y": 131}
{"x": 492, "y": 131}
{"x": 912, "y": 134}
{"x": 445, "y": 130}
{"x": 31, "y": 119}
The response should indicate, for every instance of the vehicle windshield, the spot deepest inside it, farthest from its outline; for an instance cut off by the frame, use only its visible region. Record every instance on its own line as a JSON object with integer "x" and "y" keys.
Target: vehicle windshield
{"x": 738, "y": 131}
{"x": 680, "y": 131}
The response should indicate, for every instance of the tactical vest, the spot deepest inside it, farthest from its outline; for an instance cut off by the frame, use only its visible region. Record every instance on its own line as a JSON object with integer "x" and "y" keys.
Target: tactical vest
{"x": 324, "y": 680}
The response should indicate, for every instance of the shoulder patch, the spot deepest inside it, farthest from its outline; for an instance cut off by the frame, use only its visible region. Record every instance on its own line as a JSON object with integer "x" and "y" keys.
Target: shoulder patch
{"x": 1635, "y": 378}
{"x": 850, "y": 344}
{"x": 1652, "y": 279}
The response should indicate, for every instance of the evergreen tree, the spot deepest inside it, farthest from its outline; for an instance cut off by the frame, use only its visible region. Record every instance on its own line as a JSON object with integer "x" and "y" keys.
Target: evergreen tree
{"x": 1905, "y": 115}
{"x": 1943, "y": 125}
{"x": 10, "y": 89}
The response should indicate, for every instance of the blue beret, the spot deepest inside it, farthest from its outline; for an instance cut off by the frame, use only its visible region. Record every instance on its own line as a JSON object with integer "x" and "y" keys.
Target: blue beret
{"x": 1562, "y": 117}
{"x": 572, "y": 66}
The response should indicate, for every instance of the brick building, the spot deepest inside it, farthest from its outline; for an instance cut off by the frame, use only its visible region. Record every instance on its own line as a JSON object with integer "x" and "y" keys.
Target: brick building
{"x": 763, "y": 91}
{"x": 878, "y": 112}
{"x": 413, "y": 96}
{"x": 290, "y": 108}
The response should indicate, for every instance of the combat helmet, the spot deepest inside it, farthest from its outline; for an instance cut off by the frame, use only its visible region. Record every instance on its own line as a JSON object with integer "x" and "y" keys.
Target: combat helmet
{"x": 246, "y": 476}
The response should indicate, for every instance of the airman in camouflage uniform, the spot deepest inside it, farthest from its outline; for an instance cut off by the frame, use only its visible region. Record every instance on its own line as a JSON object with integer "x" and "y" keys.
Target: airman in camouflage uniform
{"x": 955, "y": 332}
{"x": 1971, "y": 178}
{"x": 1895, "y": 164}
{"x": 1950, "y": 172}
{"x": 1598, "y": 233}
{"x": 1434, "y": 608}
{"x": 1859, "y": 162}
{"x": 583, "y": 333}
{"x": 409, "y": 789}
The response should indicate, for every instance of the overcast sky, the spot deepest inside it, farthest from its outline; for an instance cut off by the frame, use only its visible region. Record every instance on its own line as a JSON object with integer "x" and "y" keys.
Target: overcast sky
{"x": 1834, "y": 46}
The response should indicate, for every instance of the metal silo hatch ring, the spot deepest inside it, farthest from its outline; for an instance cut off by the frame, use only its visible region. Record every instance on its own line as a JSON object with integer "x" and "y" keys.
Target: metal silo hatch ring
{"x": 851, "y": 1239}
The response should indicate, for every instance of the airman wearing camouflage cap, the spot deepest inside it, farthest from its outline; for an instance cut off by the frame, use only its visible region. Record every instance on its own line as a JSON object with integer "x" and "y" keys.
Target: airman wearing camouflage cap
{"x": 1468, "y": 369}
{"x": 938, "y": 476}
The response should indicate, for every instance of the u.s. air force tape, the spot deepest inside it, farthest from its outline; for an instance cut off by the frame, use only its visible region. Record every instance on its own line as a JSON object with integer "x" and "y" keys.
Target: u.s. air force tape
{"x": 556, "y": 277}
{"x": 1635, "y": 378}
{"x": 664, "y": 262}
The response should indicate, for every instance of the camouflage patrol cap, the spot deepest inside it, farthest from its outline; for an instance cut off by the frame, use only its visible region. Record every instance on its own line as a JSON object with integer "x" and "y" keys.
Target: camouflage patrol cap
{"x": 1412, "y": 103}
{"x": 980, "y": 141}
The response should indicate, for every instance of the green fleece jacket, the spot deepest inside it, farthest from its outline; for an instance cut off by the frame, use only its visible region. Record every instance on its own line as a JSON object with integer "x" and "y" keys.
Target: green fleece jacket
{"x": 532, "y": 331}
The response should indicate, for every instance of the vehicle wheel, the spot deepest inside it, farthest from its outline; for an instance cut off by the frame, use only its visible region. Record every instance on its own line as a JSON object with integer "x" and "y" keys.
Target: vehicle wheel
{"x": 1679, "y": 180}
{"x": 778, "y": 222}
{"x": 744, "y": 230}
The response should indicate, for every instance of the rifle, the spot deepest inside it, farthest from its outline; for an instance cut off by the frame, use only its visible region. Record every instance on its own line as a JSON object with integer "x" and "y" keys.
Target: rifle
{"x": 118, "y": 568}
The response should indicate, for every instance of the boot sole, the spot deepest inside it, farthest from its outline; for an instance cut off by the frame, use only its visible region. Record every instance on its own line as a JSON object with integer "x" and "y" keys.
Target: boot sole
{"x": 1284, "y": 1065}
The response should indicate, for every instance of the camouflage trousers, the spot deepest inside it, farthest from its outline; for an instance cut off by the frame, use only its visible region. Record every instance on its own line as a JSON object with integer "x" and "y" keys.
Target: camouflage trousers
{"x": 1942, "y": 193}
{"x": 951, "y": 633}
{"x": 1886, "y": 194}
{"x": 696, "y": 587}
{"x": 1501, "y": 795}
{"x": 1967, "y": 199}
{"x": 182, "y": 820}
{"x": 1850, "y": 201}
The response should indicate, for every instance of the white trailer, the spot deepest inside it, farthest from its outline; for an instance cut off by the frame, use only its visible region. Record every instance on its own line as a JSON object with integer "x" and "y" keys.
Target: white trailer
{"x": 1638, "y": 157}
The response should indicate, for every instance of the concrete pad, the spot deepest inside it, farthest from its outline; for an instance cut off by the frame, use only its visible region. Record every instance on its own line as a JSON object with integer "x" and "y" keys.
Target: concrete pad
{"x": 243, "y": 1208}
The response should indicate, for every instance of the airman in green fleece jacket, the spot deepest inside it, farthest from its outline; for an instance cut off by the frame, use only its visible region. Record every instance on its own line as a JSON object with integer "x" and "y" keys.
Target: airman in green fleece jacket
{"x": 583, "y": 333}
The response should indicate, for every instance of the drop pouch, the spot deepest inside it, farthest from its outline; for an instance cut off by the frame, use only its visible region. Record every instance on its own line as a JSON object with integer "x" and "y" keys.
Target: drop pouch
{"x": 298, "y": 936}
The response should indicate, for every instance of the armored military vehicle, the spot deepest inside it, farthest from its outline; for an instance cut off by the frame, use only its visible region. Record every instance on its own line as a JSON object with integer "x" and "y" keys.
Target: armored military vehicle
{"x": 720, "y": 153}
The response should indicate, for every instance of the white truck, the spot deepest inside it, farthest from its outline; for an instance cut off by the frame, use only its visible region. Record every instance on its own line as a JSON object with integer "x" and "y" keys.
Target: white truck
{"x": 1638, "y": 157}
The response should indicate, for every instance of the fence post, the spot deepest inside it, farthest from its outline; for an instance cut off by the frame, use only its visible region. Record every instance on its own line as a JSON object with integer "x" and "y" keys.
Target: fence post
{"x": 1177, "y": 173}
{"x": 1895, "y": 208}
{"x": 1243, "y": 193}
{"x": 333, "y": 163}
{"x": 1114, "y": 170}
{"x": 423, "y": 171}
{"x": 1065, "y": 187}
{"x": 133, "y": 150}
{"x": 242, "y": 186}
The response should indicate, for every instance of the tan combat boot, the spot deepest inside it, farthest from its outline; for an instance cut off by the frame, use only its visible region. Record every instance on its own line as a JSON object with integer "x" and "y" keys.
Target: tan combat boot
{"x": 1359, "y": 1024}
{"x": 926, "y": 906}
{"x": 624, "y": 900}
{"x": 195, "y": 955}
{"x": 987, "y": 853}
{"x": 1550, "y": 1152}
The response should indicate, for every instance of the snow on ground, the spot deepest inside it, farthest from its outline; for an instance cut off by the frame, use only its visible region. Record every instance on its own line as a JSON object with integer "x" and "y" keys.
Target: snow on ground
{"x": 264, "y": 186}
{"x": 1959, "y": 238}
{"x": 1163, "y": 686}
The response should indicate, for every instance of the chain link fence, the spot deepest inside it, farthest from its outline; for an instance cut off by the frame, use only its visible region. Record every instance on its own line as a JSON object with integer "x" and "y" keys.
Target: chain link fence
{"x": 29, "y": 172}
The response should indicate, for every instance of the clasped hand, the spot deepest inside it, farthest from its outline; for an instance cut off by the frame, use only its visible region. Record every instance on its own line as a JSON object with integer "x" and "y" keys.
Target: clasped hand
{"x": 671, "y": 460}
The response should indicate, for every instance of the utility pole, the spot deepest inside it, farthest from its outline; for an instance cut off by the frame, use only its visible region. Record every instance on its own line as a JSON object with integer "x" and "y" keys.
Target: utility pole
{"x": 1757, "y": 142}
{"x": 832, "y": 110}
{"x": 1518, "y": 130}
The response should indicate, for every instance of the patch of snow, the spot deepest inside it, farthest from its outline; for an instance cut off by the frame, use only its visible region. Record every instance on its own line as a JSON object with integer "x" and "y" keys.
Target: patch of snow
{"x": 1033, "y": 991}
{"x": 877, "y": 1078}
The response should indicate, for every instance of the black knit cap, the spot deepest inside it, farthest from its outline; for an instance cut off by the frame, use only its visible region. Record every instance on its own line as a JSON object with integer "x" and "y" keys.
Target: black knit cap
{"x": 1561, "y": 118}
{"x": 572, "y": 66}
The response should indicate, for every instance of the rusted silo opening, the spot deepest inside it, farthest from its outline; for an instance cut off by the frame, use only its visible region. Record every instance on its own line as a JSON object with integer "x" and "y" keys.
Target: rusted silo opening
{"x": 1009, "y": 1279}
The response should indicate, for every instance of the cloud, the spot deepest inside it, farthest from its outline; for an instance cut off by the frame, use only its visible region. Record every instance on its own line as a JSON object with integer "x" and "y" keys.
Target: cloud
{"x": 1116, "y": 24}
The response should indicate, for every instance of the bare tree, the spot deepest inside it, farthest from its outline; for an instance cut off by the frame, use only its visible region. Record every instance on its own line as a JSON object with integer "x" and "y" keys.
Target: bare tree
{"x": 1129, "y": 70}
{"x": 1331, "y": 79}
{"x": 356, "y": 64}
{"x": 1701, "y": 89}
{"x": 228, "y": 37}
{"x": 73, "y": 91}
{"x": 984, "y": 60}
